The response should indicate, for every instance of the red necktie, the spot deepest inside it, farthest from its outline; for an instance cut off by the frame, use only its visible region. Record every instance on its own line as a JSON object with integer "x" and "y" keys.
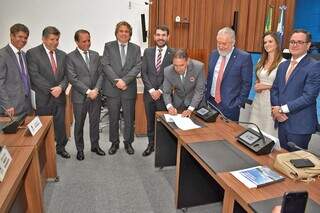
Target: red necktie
{"x": 53, "y": 63}
{"x": 219, "y": 80}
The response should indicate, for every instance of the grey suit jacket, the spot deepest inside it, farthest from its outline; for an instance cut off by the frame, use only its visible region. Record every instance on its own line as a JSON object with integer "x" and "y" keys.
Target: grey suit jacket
{"x": 42, "y": 77}
{"x": 80, "y": 76}
{"x": 189, "y": 93}
{"x": 11, "y": 86}
{"x": 112, "y": 69}
{"x": 150, "y": 77}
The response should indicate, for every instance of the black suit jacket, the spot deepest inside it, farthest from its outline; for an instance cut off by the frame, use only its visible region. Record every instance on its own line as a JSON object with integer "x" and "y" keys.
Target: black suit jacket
{"x": 151, "y": 78}
{"x": 42, "y": 77}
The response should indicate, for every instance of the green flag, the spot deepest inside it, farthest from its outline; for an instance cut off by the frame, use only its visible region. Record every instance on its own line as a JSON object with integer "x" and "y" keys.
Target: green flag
{"x": 268, "y": 22}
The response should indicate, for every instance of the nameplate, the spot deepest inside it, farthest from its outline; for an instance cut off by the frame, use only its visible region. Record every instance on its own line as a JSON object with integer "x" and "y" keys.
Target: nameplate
{"x": 34, "y": 125}
{"x": 5, "y": 160}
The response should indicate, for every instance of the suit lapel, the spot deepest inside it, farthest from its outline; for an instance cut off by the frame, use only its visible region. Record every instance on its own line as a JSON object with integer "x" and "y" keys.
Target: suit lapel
{"x": 117, "y": 52}
{"x": 231, "y": 61}
{"x": 166, "y": 57}
{"x": 78, "y": 54}
{"x": 46, "y": 61}
{"x": 13, "y": 57}
{"x": 295, "y": 70}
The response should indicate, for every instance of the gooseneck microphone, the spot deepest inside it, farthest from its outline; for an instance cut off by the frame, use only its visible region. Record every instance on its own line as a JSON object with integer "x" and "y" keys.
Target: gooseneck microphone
{"x": 5, "y": 110}
{"x": 295, "y": 147}
{"x": 238, "y": 122}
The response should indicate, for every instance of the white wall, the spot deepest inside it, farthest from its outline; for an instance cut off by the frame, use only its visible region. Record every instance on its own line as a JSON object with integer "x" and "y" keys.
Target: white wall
{"x": 99, "y": 17}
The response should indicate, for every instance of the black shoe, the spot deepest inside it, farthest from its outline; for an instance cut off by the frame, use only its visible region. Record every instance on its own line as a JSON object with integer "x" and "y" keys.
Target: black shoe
{"x": 80, "y": 155}
{"x": 148, "y": 150}
{"x": 113, "y": 149}
{"x": 63, "y": 153}
{"x": 129, "y": 149}
{"x": 98, "y": 151}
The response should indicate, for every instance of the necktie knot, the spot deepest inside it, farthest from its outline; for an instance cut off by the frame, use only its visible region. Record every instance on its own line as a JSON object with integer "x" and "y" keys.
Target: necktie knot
{"x": 85, "y": 52}
{"x": 160, "y": 50}
{"x": 51, "y": 52}
{"x": 19, "y": 52}
{"x": 293, "y": 62}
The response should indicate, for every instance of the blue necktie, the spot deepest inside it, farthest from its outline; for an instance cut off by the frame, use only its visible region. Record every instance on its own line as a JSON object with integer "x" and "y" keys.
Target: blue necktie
{"x": 24, "y": 75}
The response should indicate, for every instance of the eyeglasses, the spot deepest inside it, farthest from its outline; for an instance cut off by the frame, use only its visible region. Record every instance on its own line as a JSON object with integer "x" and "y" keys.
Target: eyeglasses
{"x": 292, "y": 42}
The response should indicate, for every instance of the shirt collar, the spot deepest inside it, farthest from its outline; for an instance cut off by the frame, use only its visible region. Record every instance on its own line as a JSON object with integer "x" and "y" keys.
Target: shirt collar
{"x": 164, "y": 48}
{"x": 300, "y": 58}
{"x": 15, "y": 50}
{"x": 47, "y": 50}
{"x": 122, "y": 43}
{"x": 81, "y": 51}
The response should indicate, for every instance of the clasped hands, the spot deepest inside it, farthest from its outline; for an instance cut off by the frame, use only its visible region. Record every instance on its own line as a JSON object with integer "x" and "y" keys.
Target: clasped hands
{"x": 185, "y": 113}
{"x": 277, "y": 115}
{"x": 92, "y": 94}
{"x": 121, "y": 84}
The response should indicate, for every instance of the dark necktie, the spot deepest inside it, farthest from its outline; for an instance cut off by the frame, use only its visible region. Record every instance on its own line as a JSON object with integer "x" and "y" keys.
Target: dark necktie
{"x": 123, "y": 54}
{"x": 24, "y": 75}
{"x": 86, "y": 59}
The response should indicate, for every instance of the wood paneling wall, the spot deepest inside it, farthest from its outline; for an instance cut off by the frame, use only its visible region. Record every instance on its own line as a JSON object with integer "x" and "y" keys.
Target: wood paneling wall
{"x": 201, "y": 20}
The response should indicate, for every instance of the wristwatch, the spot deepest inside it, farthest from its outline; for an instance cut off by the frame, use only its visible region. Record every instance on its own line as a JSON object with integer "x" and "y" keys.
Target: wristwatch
{"x": 280, "y": 110}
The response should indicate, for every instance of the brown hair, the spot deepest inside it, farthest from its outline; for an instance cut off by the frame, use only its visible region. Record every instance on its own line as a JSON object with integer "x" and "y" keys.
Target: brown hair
{"x": 123, "y": 23}
{"x": 19, "y": 28}
{"x": 164, "y": 28}
{"x": 264, "y": 56}
{"x": 50, "y": 30}
{"x": 78, "y": 32}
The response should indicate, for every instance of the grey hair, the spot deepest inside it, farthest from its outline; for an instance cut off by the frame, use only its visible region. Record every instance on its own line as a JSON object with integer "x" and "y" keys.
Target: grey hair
{"x": 228, "y": 31}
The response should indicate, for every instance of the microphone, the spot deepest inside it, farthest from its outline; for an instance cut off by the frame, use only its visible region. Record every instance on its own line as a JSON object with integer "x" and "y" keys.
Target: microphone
{"x": 223, "y": 117}
{"x": 253, "y": 140}
{"x": 5, "y": 110}
{"x": 295, "y": 147}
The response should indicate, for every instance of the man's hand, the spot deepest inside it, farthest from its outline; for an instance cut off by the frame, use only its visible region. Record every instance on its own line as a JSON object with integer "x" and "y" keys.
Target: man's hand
{"x": 93, "y": 94}
{"x": 10, "y": 111}
{"x": 281, "y": 117}
{"x": 186, "y": 113}
{"x": 172, "y": 110}
{"x": 121, "y": 84}
{"x": 155, "y": 95}
{"x": 56, "y": 91}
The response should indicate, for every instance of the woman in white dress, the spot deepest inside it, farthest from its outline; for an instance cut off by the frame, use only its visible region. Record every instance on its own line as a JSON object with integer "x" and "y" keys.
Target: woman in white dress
{"x": 266, "y": 71}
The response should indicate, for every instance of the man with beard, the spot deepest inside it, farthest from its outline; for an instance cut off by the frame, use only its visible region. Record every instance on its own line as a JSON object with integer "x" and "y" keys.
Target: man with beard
{"x": 230, "y": 75}
{"x": 154, "y": 61}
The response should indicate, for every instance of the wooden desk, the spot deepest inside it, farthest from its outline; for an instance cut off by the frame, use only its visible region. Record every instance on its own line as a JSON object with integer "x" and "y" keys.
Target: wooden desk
{"x": 44, "y": 144}
{"x": 197, "y": 183}
{"x": 140, "y": 114}
{"x": 21, "y": 187}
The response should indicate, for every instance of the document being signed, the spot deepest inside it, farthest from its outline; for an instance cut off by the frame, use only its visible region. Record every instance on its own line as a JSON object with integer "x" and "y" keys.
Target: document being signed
{"x": 183, "y": 123}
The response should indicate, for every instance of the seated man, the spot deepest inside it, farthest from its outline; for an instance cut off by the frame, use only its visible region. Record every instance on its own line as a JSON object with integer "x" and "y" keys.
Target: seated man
{"x": 184, "y": 84}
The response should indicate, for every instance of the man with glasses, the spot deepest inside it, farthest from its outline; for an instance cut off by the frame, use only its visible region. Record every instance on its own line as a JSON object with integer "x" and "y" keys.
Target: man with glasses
{"x": 294, "y": 93}
{"x": 230, "y": 75}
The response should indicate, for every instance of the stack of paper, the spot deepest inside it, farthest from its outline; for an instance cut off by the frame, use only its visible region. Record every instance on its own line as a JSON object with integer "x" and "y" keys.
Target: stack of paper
{"x": 183, "y": 123}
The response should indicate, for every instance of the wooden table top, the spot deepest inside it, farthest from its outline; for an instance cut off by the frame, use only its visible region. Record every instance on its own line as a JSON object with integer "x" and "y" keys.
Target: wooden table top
{"x": 23, "y": 137}
{"x": 21, "y": 157}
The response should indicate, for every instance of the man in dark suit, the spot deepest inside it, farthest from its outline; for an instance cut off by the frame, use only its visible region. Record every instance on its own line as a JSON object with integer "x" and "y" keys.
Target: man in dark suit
{"x": 154, "y": 60}
{"x": 14, "y": 78}
{"x": 230, "y": 75}
{"x": 121, "y": 64}
{"x": 294, "y": 93}
{"x": 183, "y": 84}
{"x": 84, "y": 73}
{"x": 46, "y": 65}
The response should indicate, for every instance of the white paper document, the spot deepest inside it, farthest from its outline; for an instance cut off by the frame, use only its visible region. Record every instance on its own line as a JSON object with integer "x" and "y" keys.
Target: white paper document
{"x": 183, "y": 123}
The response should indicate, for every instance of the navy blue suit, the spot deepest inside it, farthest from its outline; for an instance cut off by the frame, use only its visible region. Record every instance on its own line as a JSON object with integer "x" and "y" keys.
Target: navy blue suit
{"x": 300, "y": 94}
{"x": 236, "y": 82}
